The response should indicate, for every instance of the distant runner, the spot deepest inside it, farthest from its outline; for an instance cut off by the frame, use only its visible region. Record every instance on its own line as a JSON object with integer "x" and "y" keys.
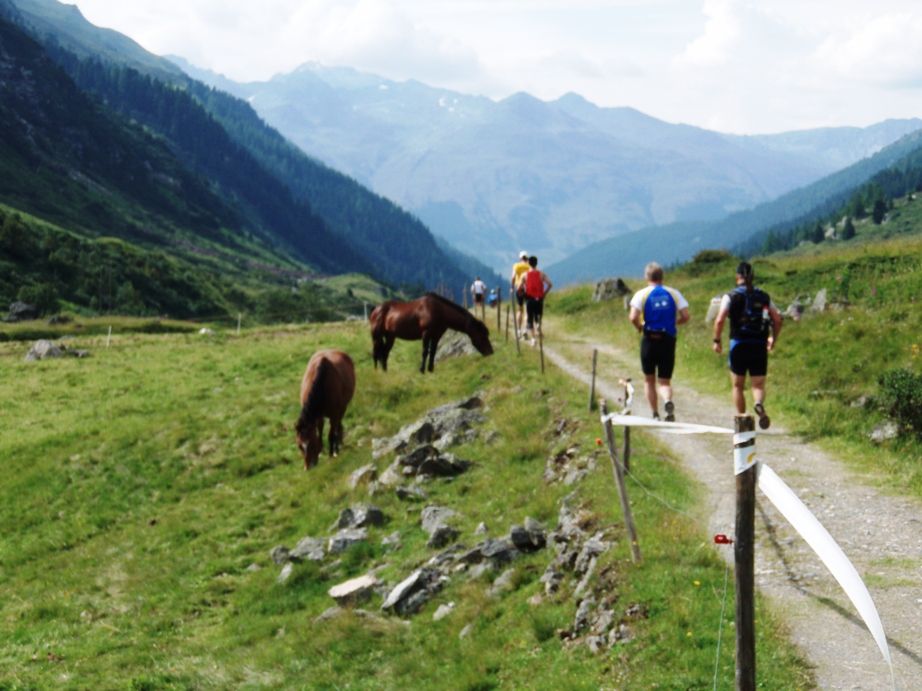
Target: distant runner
{"x": 478, "y": 290}
{"x": 656, "y": 311}
{"x": 535, "y": 291}
{"x": 751, "y": 313}
{"x": 519, "y": 269}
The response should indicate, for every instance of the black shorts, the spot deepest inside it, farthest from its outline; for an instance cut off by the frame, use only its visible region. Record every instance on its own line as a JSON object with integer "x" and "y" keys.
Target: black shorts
{"x": 534, "y": 308}
{"x": 657, "y": 355}
{"x": 478, "y": 298}
{"x": 520, "y": 299}
{"x": 751, "y": 356}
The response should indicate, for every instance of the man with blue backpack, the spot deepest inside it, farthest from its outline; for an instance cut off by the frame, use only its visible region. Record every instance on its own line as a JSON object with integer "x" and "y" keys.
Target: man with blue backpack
{"x": 655, "y": 312}
{"x": 752, "y": 314}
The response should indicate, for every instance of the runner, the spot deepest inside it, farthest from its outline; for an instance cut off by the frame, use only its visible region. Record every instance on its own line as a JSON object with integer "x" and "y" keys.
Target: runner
{"x": 478, "y": 290}
{"x": 656, "y": 311}
{"x": 751, "y": 313}
{"x": 535, "y": 291}
{"x": 519, "y": 269}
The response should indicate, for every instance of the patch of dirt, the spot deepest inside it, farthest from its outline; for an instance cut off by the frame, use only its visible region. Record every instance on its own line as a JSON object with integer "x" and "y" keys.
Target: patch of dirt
{"x": 880, "y": 533}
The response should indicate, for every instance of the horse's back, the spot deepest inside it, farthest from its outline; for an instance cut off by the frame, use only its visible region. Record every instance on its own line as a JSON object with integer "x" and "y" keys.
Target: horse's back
{"x": 342, "y": 371}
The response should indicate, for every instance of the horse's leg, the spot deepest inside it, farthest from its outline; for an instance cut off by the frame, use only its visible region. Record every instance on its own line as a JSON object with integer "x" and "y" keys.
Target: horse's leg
{"x": 320, "y": 431}
{"x": 336, "y": 435}
{"x": 433, "y": 346}
{"x": 426, "y": 344}
{"x": 386, "y": 351}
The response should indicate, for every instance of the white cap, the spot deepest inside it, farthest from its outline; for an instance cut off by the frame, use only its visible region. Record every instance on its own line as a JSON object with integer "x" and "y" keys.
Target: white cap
{"x": 523, "y": 255}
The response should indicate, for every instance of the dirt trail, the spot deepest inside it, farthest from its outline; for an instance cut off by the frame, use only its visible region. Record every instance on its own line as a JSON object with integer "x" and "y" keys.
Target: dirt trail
{"x": 881, "y": 534}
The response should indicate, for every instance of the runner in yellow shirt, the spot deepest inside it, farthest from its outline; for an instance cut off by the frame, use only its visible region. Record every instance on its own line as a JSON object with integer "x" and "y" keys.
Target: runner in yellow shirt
{"x": 518, "y": 275}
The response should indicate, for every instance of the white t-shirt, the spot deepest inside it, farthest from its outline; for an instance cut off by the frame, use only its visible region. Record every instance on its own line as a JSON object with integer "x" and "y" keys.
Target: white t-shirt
{"x": 479, "y": 288}
{"x": 725, "y": 303}
{"x": 640, "y": 297}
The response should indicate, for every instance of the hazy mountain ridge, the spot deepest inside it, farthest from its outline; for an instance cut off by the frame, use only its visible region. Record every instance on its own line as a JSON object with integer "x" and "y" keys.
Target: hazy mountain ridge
{"x": 552, "y": 177}
{"x": 627, "y": 254}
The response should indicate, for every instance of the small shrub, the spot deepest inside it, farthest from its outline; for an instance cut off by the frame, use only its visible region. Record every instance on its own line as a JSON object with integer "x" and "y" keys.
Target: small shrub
{"x": 708, "y": 260}
{"x": 901, "y": 398}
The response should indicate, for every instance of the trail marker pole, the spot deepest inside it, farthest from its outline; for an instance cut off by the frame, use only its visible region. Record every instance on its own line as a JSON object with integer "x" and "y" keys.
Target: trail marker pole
{"x": 627, "y": 430}
{"x": 518, "y": 348}
{"x": 365, "y": 305}
{"x": 109, "y": 337}
{"x": 508, "y": 308}
{"x": 238, "y": 323}
{"x": 744, "y": 553}
{"x": 540, "y": 345}
{"x": 618, "y": 470}
{"x": 499, "y": 309}
{"x": 595, "y": 355}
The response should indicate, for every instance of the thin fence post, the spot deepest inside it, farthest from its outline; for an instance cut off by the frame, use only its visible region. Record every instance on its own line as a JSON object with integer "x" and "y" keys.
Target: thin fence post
{"x": 499, "y": 309}
{"x": 627, "y": 430}
{"x": 508, "y": 308}
{"x": 622, "y": 487}
{"x": 518, "y": 348}
{"x": 366, "y": 309}
{"x": 109, "y": 337}
{"x": 744, "y": 555}
{"x": 238, "y": 323}
{"x": 595, "y": 355}
{"x": 541, "y": 347}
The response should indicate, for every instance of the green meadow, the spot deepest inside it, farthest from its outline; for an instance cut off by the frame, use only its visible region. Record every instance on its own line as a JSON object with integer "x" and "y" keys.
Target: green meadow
{"x": 142, "y": 484}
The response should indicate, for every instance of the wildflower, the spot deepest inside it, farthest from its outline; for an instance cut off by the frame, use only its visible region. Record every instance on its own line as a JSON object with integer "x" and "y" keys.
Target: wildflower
{"x": 697, "y": 582}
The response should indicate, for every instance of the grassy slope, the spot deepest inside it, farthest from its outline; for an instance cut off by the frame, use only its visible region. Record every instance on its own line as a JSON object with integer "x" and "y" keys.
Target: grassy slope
{"x": 142, "y": 482}
{"x": 824, "y": 363}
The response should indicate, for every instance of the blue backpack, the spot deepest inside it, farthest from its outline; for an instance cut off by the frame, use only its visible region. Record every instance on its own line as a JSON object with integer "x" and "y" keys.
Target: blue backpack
{"x": 659, "y": 312}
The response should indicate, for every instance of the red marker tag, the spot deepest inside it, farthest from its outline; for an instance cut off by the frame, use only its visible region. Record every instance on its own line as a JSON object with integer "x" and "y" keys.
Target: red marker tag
{"x": 598, "y": 442}
{"x": 722, "y": 540}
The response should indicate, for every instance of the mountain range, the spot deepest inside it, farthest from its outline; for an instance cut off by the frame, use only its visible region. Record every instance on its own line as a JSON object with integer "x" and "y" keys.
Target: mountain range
{"x": 549, "y": 177}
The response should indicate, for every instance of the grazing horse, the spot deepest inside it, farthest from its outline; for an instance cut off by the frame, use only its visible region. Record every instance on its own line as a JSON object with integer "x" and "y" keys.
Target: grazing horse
{"x": 326, "y": 390}
{"x": 427, "y": 318}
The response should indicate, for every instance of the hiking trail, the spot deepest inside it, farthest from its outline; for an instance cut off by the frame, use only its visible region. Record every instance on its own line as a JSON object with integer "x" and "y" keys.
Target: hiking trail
{"x": 881, "y": 533}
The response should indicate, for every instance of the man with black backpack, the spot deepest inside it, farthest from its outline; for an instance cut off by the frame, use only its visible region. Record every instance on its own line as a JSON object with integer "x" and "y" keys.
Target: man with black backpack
{"x": 752, "y": 313}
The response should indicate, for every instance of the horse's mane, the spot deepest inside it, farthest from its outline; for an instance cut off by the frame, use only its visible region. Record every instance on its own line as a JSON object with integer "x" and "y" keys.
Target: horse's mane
{"x": 472, "y": 321}
{"x": 313, "y": 406}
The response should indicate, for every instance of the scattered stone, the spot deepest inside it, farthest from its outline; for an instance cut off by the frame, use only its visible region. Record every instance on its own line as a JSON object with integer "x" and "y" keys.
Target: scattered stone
{"x": 392, "y": 475}
{"x": 345, "y": 539}
{"x": 453, "y": 346}
{"x": 584, "y": 583}
{"x": 79, "y": 354}
{"x": 442, "y": 536}
{"x": 884, "y": 431}
{"x": 609, "y": 289}
{"x": 527, "y": 540}
{"x": 574, "y": 476}
{"x": 482, "y": 529}
{"x": 552, "y": 580}
{"x": 504, "y": 583}
{"x": 713, "y": 309}
{"x": 492, "y": 437}
{"x": 860, "y": 402}
{"x": 22, "y": 311}
{"x": 310, "y": 548}
{"x": 58, "y": 319}
{"x": 819, "y": 302}
{"x": 581, "y": 621}
{"x": 443, "y": 611}
{"x": 445, "y": 420}
{"x": 279, "y": 555}
{"x": 499, "y": 551}
{"x": 363, "y": 476}
{"x": 535, "y": 600}
{"x": 254, "y": 567}
{"x": 593, "y": 547}
{"x": 435, "y": 516}
{"x": 354, "y": 590}
{"x": 408, "y": 596}
{"x": 329, "y": 614}
{"x": 42, "y": 350}
{"x": 205, "y": 331}
{"x": 480, "y": 569}
{"x": 466, "y": 631}
{"x": 419, "y": 432}
{"x": 359, "y": 516}
{"x": 411, "y": 492}
{"x": 285, "y": 573}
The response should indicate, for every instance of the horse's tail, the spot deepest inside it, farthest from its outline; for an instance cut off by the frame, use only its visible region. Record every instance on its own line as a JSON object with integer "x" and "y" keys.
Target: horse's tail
{"x": 316, "y": 397}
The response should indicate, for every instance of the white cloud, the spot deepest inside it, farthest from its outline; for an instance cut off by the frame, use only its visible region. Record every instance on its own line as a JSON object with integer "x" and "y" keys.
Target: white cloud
{"x": 737, "y": 65}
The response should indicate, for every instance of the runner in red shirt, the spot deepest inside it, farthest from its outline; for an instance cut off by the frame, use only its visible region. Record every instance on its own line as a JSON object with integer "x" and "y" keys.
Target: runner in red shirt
{"x": 537, "y": 285}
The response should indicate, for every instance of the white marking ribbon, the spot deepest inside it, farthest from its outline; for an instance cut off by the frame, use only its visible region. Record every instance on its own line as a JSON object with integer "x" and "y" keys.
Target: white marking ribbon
{"x": 797, "y": 514}
{"x": 805, "y": 523}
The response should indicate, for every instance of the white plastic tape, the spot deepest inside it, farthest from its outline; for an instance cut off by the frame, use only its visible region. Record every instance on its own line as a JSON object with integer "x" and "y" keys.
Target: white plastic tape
{"x": 671, "y": 427}
{"x": 805, "y": 523}
{"x": 743, "y": 437}
{"x": 744, "y": 458}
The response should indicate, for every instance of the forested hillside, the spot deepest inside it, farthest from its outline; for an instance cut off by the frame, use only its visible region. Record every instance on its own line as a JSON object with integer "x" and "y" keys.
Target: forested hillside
{"x": 398, "y": 247}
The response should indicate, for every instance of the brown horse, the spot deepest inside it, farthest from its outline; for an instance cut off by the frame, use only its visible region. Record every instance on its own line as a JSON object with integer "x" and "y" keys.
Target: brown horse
{"x": 326, "y": 390}
{"x": 427, "y": 318}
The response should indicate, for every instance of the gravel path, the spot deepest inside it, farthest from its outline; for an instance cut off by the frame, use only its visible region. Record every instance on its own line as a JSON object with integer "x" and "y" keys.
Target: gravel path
{"x": 880, "y": 533}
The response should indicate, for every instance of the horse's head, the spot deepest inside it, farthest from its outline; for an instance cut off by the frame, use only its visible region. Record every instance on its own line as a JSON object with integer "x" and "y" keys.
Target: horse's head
{"x": 310, "y": 444}
{"x": 480, "y": 337}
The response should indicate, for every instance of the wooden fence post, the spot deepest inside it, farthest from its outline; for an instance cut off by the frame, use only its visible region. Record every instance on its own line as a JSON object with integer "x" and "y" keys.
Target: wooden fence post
{"x": 622, "y": 488}
{"x": 508, "y": 309}
{"x": 499, "y": 309}
{"x": 541, "y": 346}
{"x": 744, "y": 553}
{"x": 595, "y": 355}
{"x": 627, "y": 430}
{"x": 366, "y": 310}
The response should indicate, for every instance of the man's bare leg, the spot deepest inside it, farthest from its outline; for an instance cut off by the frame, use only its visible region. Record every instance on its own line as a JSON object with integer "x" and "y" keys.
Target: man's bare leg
{"x": 739, "y": 392}
{"x": 665, "y": 390}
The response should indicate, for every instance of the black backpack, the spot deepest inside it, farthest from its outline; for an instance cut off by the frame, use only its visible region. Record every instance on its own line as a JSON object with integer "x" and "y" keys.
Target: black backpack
{"x": 748, "y": 312}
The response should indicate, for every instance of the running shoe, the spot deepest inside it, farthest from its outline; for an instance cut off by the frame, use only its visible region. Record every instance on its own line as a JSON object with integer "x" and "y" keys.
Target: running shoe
{"x": 656, "y": 416}
{"x": 764, "y": 420}
{"x": 670, "y": 412}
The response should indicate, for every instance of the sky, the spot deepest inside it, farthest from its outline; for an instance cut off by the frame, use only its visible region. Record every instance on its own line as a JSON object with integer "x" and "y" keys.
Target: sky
{"x": 737, "y": 66}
